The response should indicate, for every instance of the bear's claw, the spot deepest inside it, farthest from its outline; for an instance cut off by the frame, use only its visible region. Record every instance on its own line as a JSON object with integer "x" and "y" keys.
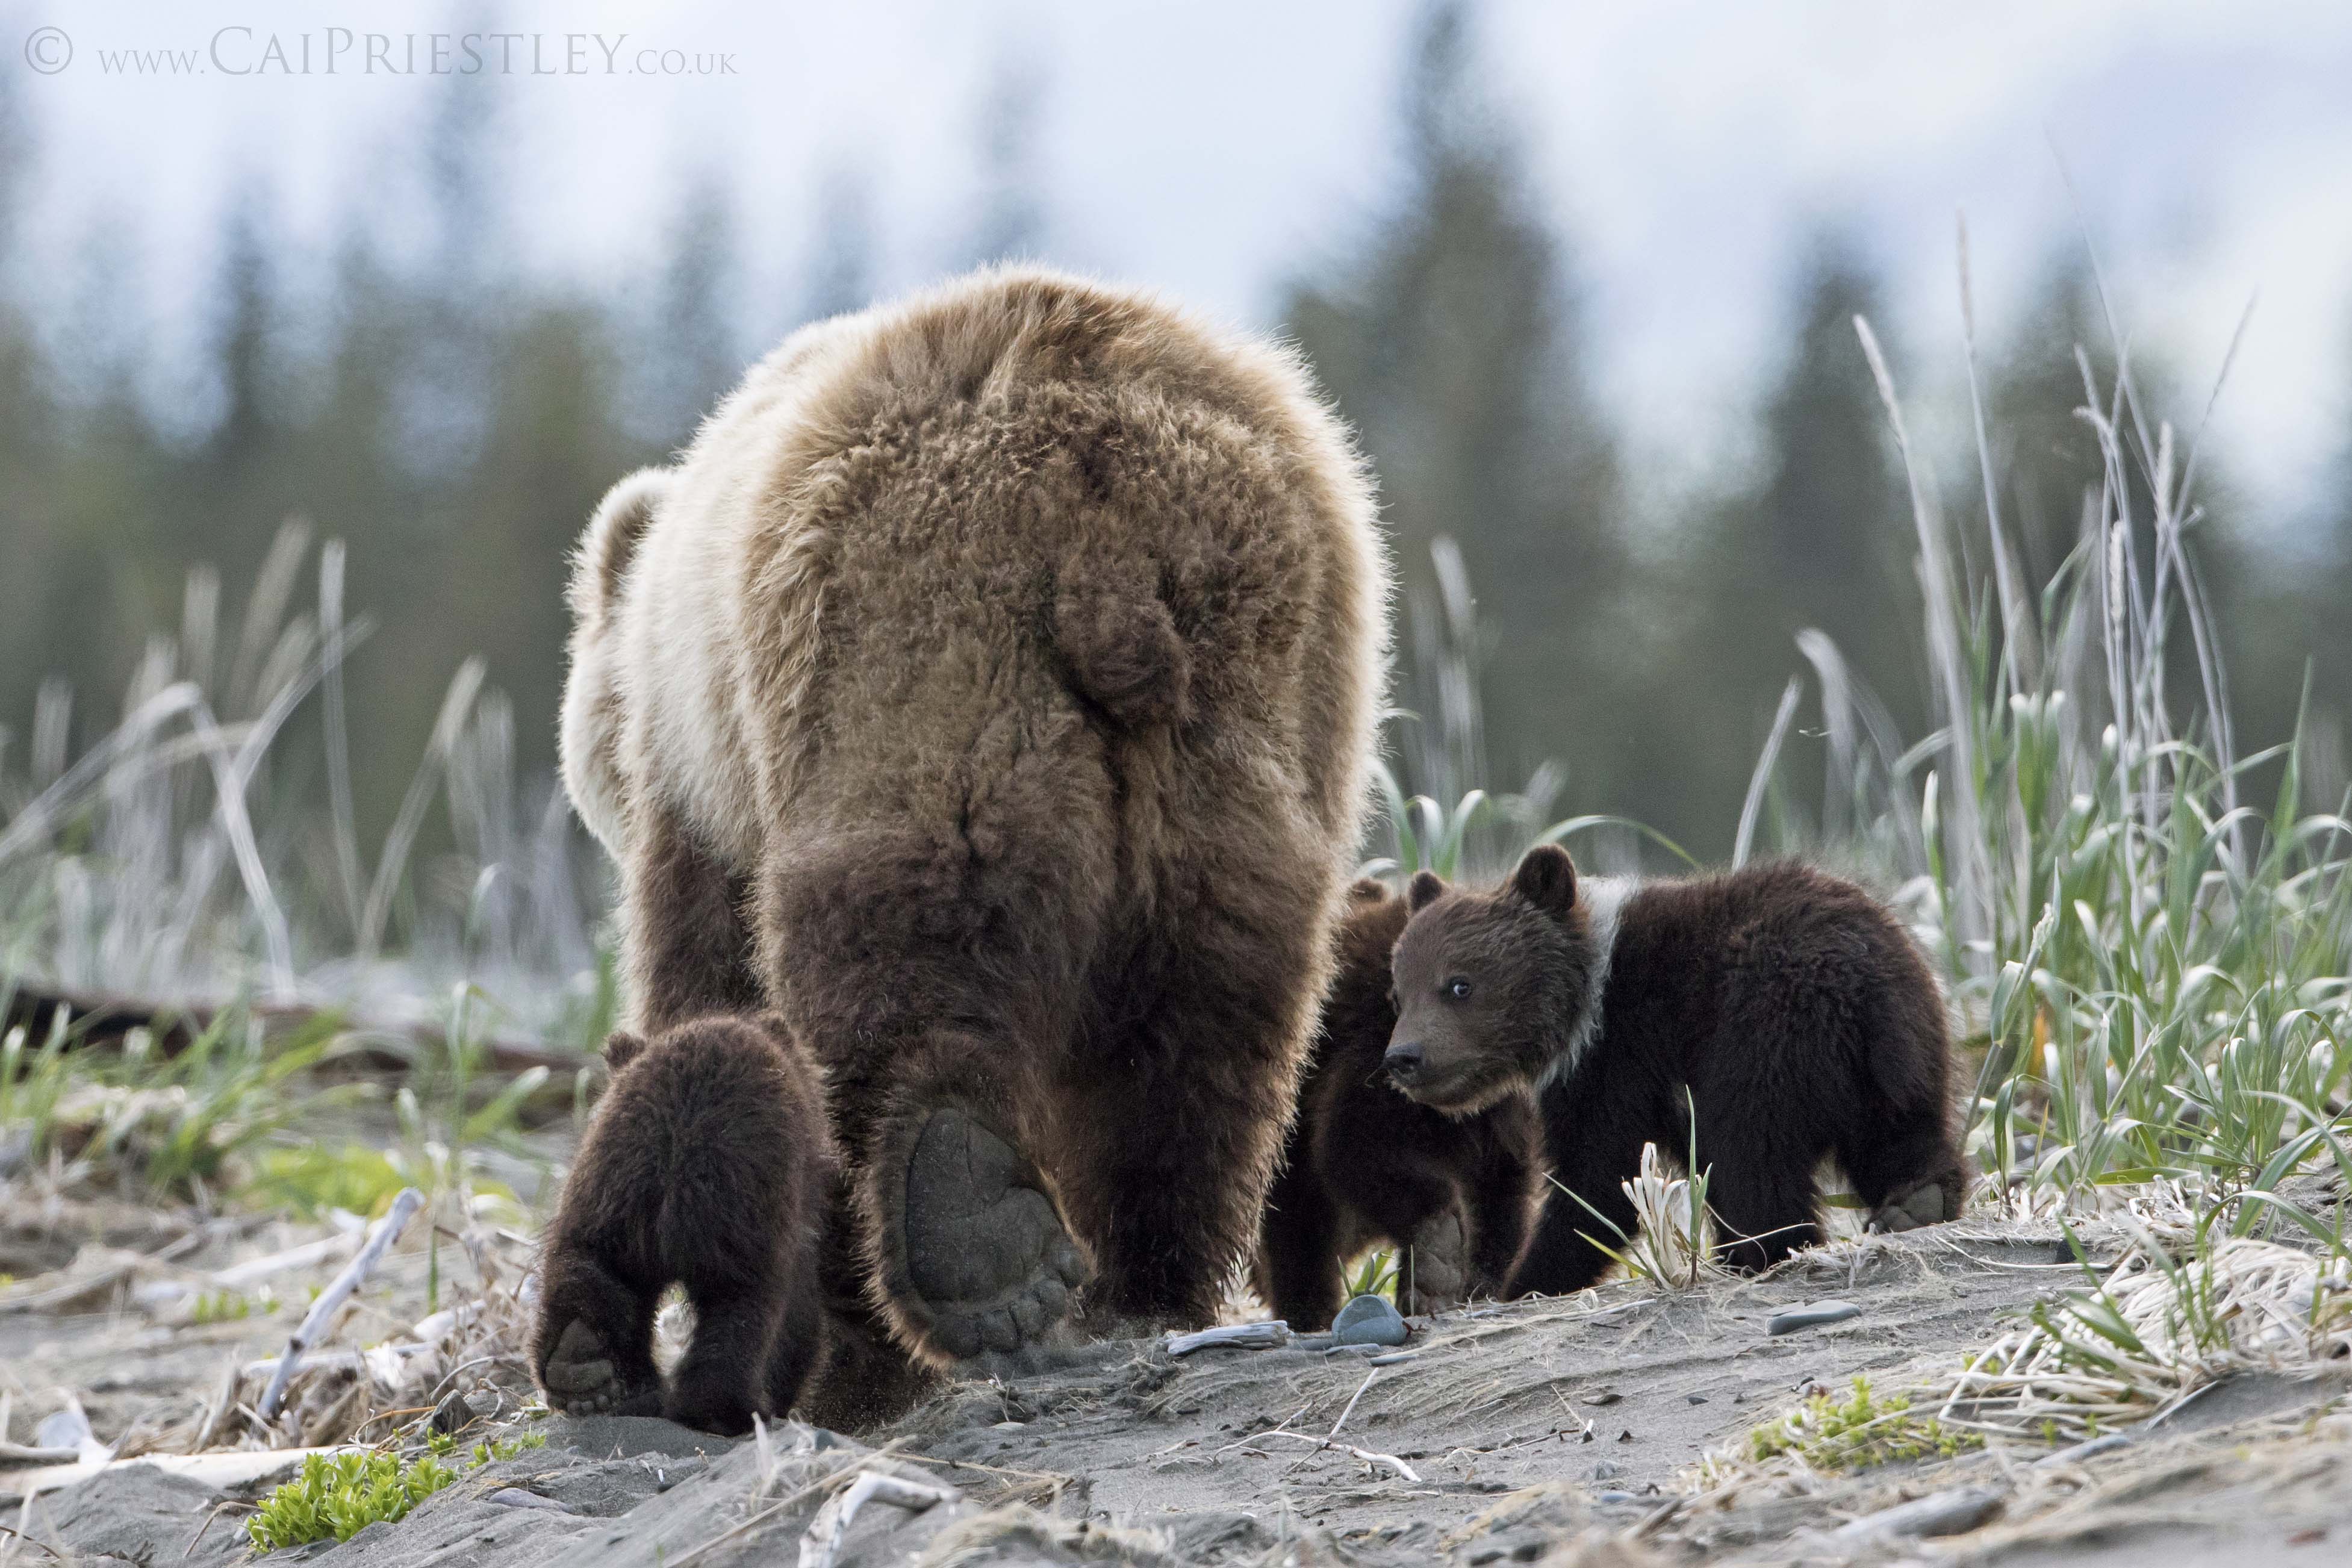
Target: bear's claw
{"x": 986, "y": 1254}
{"x": 580, "y": 1378}
{"x": 1927, "y": 1204}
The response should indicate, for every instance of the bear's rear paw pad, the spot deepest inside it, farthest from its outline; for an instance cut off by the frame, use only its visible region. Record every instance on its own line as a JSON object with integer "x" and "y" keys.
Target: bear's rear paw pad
{"x": 985, "y": 1252}
{"x": 1434, "y": 1274}
{"x": 580, "y": 1379}
{"x": 1931, "y": 1203}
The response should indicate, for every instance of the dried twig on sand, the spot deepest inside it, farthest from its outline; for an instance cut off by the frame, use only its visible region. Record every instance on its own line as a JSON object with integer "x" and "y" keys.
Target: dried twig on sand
{"x": 823, "y": 1542}
{"x": 330, "y": 1300}
{"x": 1329, "y": 1440}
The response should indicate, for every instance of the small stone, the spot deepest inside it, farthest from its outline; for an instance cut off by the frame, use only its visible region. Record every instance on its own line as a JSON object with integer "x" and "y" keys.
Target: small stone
{"x": 1367, "y": 1320}
{"x": 452, "y": 1414}
{"x": 1789, "y": 1320}
{"x": 1597, "y": 1397}
{"x": 1605, "y": 1471}
{"x": 1618, "y": 1496}
{"x": 1695, "y": 1398}
{"x": 515, "y": 1497}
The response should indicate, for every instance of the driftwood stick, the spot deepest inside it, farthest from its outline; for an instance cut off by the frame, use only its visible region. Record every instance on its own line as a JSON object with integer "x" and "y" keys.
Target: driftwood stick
{"x": 330, "y": 1300}
{"x": 823, "y": 1542}
{"x": 1238, "y": 1336}
{"x": 1351, "y": 1404}
{"x": 1388, "y": 1462}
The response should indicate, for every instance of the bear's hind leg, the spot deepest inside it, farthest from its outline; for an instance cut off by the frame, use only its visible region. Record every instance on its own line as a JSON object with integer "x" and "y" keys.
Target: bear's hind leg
{"x": 723, "y": 1378}
{"x": 1761, "y": 1188}
{"x": 799, "y": 1341}
{"x": 688, "y": 949}
{"x": 1299, "y": 1245}
{"x": 1908, "y": 1169}
{"x": 593, "y": 1348}
{"x": 930, "y": 973}
{"x": 1172, "y": 1113}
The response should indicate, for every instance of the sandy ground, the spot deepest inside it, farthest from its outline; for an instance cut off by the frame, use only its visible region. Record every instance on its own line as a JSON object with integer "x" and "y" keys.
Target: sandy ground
{"x": 1553, "y": 1431}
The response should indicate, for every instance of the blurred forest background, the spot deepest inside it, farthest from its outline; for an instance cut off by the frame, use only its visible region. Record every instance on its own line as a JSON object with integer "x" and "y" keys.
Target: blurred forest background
{"x": 454, "y": 418}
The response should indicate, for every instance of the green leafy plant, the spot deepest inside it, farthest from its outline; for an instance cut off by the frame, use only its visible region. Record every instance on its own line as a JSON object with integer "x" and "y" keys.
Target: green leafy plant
{"x": 1373, "y": 1274}
{"x": 336, "y": 1496}
{"x": 1857, "y": 1433}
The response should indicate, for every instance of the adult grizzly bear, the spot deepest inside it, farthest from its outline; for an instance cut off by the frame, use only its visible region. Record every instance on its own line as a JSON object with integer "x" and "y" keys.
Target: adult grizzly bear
{"x": 991, "y": 689}
{"x": 1782, "y": 1007}
{"x": 1454, "y": 1194}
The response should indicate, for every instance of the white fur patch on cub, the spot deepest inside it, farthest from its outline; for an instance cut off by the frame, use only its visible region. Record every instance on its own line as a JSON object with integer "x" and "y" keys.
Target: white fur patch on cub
{"x": 1603, "y": 898}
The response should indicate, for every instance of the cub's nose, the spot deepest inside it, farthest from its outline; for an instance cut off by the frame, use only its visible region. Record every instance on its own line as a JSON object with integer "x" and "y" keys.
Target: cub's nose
{"x": 1402, "y": 1061}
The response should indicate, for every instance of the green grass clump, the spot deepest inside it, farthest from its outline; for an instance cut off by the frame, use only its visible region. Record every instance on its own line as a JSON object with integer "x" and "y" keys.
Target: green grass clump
{"x": 337, "y": 1495}
{"x": 1858, "y": 1433}
{"x": 171, "y": 1125}
{"x": 222, "y": 1306}
{"x": 311, "y": 1178}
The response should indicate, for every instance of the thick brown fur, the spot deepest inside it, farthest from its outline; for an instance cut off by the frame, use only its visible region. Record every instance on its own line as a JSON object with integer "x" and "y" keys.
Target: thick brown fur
{"x": 995, "y": 682}
{"x": 1366, "y": 1165}
{"x": 708, "y": 1165}
{"x": 1783, "y": 1006}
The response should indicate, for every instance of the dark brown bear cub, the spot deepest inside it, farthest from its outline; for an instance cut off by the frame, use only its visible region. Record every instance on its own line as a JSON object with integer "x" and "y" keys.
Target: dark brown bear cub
{"x": 1788, "y": 1006}
{"x": 709, "y": 1165}
{"x": 1452, "y": 1193}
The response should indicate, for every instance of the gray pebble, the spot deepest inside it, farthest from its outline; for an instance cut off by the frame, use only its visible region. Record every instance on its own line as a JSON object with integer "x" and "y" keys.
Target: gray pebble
{"x": 1789, "y": 1320}
{"x": 1696, "y": 1398}
{"x": 515, "y": 1497}
{"x": 1367, "y": 1320}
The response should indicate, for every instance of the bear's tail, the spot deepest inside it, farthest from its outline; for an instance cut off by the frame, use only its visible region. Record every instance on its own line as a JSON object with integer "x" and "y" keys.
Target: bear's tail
{"x": 611, "y": 538}
{"x": 1123, "y": 650}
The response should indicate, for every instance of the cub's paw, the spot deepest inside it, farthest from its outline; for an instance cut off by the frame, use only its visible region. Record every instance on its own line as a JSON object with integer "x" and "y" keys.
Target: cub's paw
{"x": 582, "y": 1379}
{"x": 987, "y": 1259}
{"x": 1930, "y": 1203}
{"x": 1433, "y": 1272}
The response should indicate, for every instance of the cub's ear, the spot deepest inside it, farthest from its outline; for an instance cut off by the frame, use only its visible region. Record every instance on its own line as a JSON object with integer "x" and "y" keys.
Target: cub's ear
{"x": 1546, "y": 879}
{"x": 1427, "y": 888}
{"x": 621, "y": 1048}
{"x": 1368, "y": 890}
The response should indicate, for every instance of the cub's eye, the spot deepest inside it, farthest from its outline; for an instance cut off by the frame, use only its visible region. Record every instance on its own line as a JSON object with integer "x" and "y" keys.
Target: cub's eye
{"x": 1459, "y": 988}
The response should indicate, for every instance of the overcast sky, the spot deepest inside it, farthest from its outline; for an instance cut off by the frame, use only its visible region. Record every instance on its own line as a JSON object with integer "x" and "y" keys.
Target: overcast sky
{"x": 1215, "y": 147}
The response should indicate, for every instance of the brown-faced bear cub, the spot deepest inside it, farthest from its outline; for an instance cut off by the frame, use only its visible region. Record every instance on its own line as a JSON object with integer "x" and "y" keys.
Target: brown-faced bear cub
{"x": 1787, "y": 1004}
{"x": 708, "y": 1165}
{"x": 1452, "y": 1193}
